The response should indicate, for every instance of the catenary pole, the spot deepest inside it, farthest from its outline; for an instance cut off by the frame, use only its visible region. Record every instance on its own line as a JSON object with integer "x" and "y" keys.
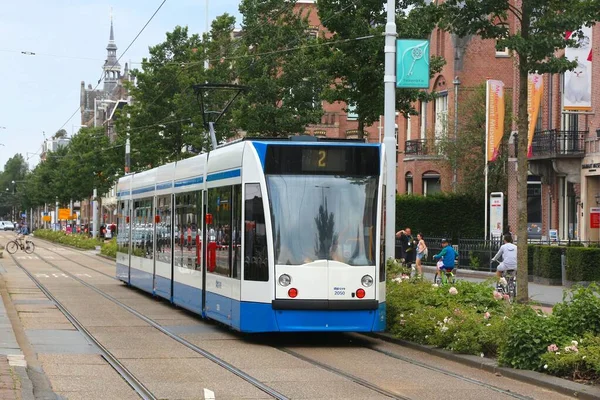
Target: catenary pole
{"x": 389, "y": 139}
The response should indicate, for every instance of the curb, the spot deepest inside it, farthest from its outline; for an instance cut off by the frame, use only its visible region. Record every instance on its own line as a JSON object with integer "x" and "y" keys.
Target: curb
{"x": 469, "y": 273}
{"x": 559, "y": 385}
{"x": 107, "y": 257}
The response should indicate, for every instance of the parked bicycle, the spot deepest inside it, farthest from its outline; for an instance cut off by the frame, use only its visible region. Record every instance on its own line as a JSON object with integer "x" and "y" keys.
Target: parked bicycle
{"x": 20, "y": 242}
{"x": 508, "y": 283}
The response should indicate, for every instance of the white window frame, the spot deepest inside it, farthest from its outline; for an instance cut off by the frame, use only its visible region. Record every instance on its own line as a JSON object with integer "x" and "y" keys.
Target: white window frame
{"x": 441, "y": 115}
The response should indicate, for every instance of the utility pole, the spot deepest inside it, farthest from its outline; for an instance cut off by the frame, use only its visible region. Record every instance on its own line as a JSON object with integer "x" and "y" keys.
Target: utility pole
{"x": 95, "y": 214}
{"x": 389, "y": 139}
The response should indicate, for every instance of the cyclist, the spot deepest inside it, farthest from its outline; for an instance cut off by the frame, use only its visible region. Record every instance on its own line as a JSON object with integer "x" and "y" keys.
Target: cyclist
{"x": 447, "y": 256}
{"x": 508, "y": 252}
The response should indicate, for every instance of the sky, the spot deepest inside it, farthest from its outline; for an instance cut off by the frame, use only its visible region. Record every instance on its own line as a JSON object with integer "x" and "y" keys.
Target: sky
{"x": 69, "y": 38}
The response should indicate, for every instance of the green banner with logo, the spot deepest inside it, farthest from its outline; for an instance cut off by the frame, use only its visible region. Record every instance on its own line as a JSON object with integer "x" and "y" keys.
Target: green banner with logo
{"x": 412, "y": 63}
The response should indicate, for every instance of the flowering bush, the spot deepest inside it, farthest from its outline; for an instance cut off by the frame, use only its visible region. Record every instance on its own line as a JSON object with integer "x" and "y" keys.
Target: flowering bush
{"x": 75, "y": 240}
{"x": 464, "y": 318}
{"x": 578, "y": 360}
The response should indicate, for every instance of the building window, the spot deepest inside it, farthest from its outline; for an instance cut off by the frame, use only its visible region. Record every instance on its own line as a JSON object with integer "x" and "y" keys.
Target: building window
{"x": 502, "y": 52}
{"x": 408, "y": 128}
{"x": 352, "y": 114}
{"x": 409, "y": 183}
{"x": 431, "y": 183}
{"x": 441, "y": 114}
{"x": 534, "y": 207}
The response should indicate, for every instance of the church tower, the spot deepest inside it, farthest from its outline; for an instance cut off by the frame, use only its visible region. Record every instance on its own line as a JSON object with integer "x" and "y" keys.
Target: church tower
{"x": 112, "y": 68}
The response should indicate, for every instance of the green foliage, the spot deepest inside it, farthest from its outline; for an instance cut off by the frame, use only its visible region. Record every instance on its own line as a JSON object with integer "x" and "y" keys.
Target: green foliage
{"x": 547, "y": 262}
{"x": 529, "y": 333}
{"x": 355, "y": 68}
{"x": 577, "y": 360}
{"x": 454, "y": 215}
{"x": 531, "y": 253}
{"x": 109, "y": 248}
{"x": 284, "y": 85}
{"x": 582, "y": 264}
{"x": 423, "y": 313}
{"x": 79, "y": 241}
{"x": 581, "y": 313}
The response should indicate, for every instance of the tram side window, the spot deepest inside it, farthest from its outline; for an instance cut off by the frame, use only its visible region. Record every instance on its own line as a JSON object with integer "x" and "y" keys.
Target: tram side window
{"x": 143, "y": 228}
{"x": 123, "y": 227}
{"x": 236, "y": 236}
{"x": 187, "y": 230}
{"x": 163, "y": 229}
{"x": 219, "y": 231}
{"x": 256, "y": 265}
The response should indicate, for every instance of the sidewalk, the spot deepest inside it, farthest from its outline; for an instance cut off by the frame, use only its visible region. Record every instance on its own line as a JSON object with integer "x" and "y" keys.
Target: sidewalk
{"x": 14, "y": 381}
{"x": 544, "y": 294}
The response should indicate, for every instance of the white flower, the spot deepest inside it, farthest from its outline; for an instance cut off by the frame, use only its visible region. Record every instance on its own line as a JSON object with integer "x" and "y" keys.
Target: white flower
{"x": 426, "y": 336}
{"x": 401, "y": 315}
{"x": 446, "y": 320}
{"x": 453, "y": 291}
{"x": 444, "y": 328}
{"x": 489, "y": 325}
{"x": 481, "y": 355}
{"x": 574, "y": 342}
{"x": 435, "y": 285}
{"x": 583, "y": 358}
{"x": 545, "y": 366}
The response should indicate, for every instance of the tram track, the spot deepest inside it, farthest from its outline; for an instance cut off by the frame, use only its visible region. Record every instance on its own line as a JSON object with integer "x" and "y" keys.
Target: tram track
{"x": 329, "y": 368}
{"x": 127, "y": 375}
{"x": 215, "y": 359}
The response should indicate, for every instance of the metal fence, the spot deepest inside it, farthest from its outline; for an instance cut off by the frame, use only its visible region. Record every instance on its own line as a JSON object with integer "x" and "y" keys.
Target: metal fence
{"x": 476, "y": 254}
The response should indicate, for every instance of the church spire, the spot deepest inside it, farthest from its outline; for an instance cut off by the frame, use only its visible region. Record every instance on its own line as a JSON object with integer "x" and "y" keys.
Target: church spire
{"x": 112, "y": 68}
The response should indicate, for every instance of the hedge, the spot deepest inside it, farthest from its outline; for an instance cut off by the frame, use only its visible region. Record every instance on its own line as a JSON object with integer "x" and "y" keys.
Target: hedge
{"x": 452, "y": 215}
{"x": 531, "y": 258}
{"x": 547, "y": 262}
{"x": 583, "y": 264}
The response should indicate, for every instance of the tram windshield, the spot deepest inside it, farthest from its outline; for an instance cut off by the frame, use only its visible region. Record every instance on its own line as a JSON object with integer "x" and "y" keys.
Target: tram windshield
{"x": 324, "y": 217}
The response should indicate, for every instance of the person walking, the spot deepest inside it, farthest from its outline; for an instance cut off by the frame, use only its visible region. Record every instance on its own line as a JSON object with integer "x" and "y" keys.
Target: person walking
{"x": 421, "y": 253}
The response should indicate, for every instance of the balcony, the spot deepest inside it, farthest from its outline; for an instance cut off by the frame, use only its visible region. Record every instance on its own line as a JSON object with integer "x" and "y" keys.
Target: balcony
{"x": 553, "y": 143}
{"x": 423, "y": 147}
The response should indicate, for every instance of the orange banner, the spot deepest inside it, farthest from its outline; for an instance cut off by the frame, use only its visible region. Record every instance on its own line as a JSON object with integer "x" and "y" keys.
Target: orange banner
{"x": 535, "y": 89}
{"x": 495, "y": 117}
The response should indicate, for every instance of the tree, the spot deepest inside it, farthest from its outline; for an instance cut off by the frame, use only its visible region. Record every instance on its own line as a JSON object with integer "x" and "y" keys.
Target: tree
{"x": 60, "y": 134}
{"x": 534, "y": 31}
{"x": 465, "y": 151}
{"x": 164, "y": 117}
{"x": 279, "y": 62}
{"x": 356, "y": 67}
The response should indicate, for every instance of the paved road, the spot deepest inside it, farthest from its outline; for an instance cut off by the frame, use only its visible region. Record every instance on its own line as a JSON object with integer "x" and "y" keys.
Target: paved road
{"x": 315, "y": 366}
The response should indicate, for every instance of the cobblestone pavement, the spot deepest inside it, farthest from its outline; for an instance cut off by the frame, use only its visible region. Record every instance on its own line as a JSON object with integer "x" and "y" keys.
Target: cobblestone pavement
{"x": 300, "y": 366}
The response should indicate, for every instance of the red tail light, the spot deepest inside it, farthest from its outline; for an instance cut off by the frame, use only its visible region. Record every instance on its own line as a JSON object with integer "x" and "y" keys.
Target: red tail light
{"x": 360, "y": 293}
{"x": 293, "y": 292}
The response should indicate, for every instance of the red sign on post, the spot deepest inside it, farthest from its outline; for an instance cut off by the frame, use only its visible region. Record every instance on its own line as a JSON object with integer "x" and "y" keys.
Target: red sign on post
{"x": 595, "y": 217}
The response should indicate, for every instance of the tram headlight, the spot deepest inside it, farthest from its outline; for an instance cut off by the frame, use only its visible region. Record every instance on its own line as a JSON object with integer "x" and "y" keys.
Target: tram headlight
{"x": 285, "y": 280}
{"x": 366, "y": 280}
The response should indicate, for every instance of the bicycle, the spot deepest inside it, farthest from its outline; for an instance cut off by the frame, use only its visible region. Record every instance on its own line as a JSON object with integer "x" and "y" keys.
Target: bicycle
{"x": 16, "y": 244}
{"x": 510, "y": 288}
{"x": 445, "y": 278}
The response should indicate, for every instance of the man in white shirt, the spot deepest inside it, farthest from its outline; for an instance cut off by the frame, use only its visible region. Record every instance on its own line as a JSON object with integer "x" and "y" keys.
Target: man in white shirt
{"x": 508, "y": 252}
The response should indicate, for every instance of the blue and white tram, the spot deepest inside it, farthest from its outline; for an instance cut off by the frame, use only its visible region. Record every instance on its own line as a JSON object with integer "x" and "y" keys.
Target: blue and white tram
{"x": 262, "y": 235}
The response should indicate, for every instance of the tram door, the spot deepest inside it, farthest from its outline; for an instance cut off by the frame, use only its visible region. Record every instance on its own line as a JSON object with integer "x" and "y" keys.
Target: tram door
{"x": 163, "y": 249}
{"x": 223, "y": 266}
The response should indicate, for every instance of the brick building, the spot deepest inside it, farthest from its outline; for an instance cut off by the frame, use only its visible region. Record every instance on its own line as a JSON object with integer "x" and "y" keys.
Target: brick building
{"x": 564, "y": 182}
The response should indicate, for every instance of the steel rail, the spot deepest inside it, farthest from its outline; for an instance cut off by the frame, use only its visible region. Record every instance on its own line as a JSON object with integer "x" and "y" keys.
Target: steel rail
{"x": 219, "y": 361}
{"x": 129, "y": 377}
{"x": 353, "y": 378}
{"x": 450, "y": 373}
